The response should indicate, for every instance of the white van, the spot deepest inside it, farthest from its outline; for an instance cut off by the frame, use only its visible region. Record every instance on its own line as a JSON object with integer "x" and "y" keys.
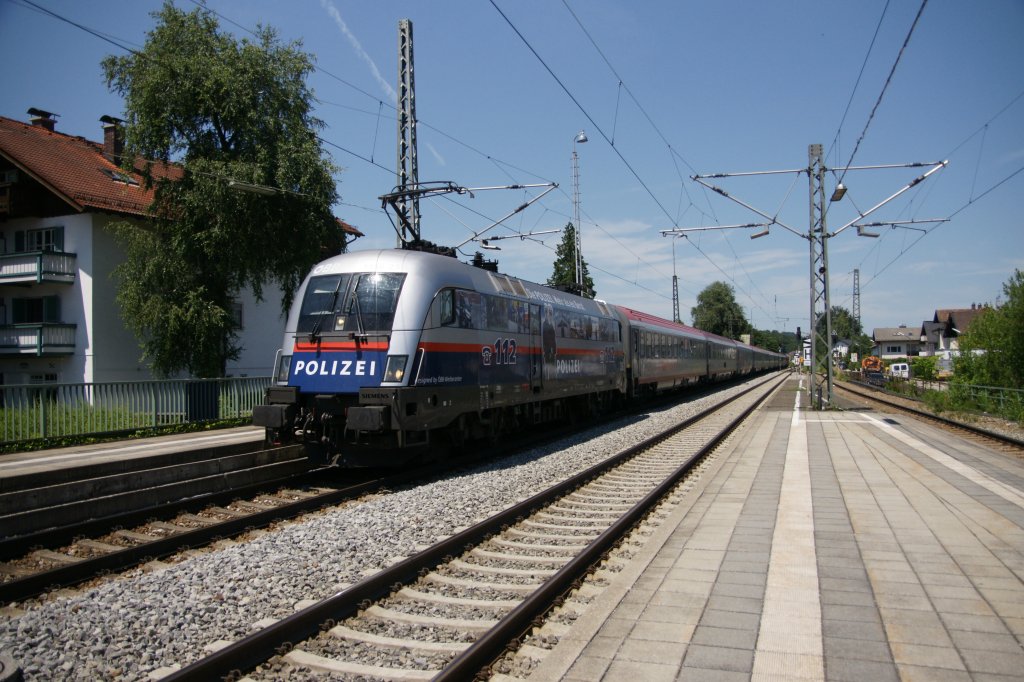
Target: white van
{"x": 899, "y": 370}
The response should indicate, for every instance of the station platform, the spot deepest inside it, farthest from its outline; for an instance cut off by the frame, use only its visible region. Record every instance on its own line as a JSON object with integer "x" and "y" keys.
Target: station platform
{"x": 834, "y": 545}
{"x": 45, "y": 467}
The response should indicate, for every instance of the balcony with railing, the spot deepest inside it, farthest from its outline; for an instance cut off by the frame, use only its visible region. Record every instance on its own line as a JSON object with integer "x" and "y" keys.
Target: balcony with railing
{"x": 39, "y": 339}
{"x": 29, "y": 267}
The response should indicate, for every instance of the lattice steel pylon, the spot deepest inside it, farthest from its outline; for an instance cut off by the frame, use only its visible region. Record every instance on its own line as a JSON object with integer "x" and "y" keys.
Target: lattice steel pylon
{"x": 820, "y": 333}
{"x": 675, "y": 286}
{"x": 408, "y": 168}
{"x": 856, "y": 299}
{"x": 675, "y": 299}
{"x": 820, "y": 384}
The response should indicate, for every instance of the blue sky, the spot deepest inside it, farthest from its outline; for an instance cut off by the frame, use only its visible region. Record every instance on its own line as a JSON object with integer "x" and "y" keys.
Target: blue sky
{"x": 664, "y": 90}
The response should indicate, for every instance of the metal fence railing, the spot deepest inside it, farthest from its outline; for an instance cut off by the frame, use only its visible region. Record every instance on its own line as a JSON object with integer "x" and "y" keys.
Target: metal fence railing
{"x": 1008, "y": 402}
{"x": 34, "y": 411}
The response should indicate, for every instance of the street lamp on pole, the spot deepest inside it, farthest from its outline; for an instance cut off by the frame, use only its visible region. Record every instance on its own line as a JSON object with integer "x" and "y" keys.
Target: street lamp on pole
{"x": 580, "y": 138}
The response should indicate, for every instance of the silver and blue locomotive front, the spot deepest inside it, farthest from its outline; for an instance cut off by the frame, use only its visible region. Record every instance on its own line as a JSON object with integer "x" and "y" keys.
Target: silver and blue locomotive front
{"x": 385, "y": 350}
{"x": 353, "y": 329}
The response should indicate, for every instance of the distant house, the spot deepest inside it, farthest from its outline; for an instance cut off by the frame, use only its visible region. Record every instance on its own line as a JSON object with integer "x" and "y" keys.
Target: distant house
{"x": 840, "y": 349}
{"x": 953, "y": 322}
{"x": 59, "y": 321}
{"x": 946, "y": 327}
{"x": 931, "y": 337}
{"x": 896, "y": 342}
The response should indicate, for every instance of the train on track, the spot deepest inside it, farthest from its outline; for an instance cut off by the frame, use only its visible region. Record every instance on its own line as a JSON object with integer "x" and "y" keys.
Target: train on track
{"x": 387, "y": 352}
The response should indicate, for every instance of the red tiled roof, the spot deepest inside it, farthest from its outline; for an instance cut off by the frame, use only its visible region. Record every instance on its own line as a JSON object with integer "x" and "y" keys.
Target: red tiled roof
{"x": 348, "y": 229}
{"x": 73, "y": 168}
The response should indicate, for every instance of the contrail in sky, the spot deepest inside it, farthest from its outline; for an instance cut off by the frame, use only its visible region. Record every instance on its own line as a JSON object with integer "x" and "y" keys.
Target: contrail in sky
{"x": 357, "y": 46}
{"x": 437, "y": 154}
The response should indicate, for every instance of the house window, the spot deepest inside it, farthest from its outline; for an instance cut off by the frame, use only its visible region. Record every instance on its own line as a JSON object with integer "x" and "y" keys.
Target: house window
{"x": 236, "y": 314}
{"x": 118, "y": 176}
{"x": 893, "y": 349}
{"x": 35, "y": 310}
{"x": 45, "y": 239}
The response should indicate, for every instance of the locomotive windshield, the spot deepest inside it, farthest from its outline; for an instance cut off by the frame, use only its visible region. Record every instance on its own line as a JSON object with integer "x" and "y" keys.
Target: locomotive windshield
{"x": 372, "y": 305}
{"x": 359, "y": 303}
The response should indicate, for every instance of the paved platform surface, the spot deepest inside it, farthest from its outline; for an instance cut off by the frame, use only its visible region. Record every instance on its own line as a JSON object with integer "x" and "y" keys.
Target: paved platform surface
{"x": 123, "y": 451}
{"x": 839, "y": 545}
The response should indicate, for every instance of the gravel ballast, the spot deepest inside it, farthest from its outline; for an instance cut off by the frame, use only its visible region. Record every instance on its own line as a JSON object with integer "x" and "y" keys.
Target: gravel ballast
{"x": 144, "y": 620}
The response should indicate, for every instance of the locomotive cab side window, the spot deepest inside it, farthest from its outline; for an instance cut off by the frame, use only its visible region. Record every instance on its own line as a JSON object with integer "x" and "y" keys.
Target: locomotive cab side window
{"x": 446, "y": 301}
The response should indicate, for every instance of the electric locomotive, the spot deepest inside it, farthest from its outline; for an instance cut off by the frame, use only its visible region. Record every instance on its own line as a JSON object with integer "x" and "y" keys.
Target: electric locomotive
{"x": 387, "y": 351}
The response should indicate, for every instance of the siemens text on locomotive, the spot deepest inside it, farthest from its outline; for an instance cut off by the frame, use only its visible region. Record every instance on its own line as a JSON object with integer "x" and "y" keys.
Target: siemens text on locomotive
{"x": 388, "y": 351}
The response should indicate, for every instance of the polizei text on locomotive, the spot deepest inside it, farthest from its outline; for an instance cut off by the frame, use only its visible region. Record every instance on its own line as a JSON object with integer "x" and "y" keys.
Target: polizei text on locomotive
{"x": 573, "y": 366}
{"x": 337, "y": 368}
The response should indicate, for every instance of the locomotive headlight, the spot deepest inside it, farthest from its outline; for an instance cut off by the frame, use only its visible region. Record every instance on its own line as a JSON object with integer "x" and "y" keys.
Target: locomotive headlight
{"x": 284, "y": 367}
{"x": 395, "y": 369}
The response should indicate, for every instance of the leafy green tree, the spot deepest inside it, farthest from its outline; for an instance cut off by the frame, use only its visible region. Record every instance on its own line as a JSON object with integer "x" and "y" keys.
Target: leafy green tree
{"x": 718, "y": 312}
{"x": 924, "y": 367}
{"x": 773, "y": 340}
{"x": 219, "y": 109}
{"x": 845, "y": 326}
{"x": 564, "y": 267}
{"x": 992, "y": 347}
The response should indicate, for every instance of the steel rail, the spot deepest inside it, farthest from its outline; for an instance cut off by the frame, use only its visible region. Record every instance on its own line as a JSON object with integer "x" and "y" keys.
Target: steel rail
{"x": 85, "y": 569}
{"x": 492, "y": 644}
{"x": 88, "y": 568}
{"x": 14, "y": 546}
{"x": 253, "y": 650}
{"x": 970, "y": 428}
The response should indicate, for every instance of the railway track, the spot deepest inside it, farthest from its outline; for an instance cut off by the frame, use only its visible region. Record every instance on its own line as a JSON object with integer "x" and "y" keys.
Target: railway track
{"x": 1009, "y": 443}
{"x": 48, "y": 560}
{"x": 451, "y": 610}
{"x": 193, "y": 510}
{"x": 36, "y": 506}
{"x": 87, "y": 526}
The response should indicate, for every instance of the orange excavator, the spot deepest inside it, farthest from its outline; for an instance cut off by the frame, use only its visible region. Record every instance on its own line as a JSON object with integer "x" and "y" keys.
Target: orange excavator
{"x": 871, "y": 363}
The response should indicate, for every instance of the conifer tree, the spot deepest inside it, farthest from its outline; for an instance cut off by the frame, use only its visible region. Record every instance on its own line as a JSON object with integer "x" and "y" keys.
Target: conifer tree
{"x": 564, "y": 268}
